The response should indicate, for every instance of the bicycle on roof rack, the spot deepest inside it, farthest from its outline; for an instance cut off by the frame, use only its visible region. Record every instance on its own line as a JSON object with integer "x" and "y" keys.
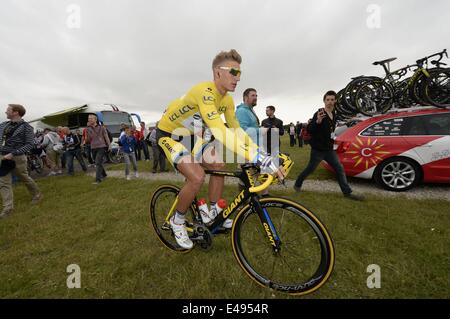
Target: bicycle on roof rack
{"x": 372, "y": 95}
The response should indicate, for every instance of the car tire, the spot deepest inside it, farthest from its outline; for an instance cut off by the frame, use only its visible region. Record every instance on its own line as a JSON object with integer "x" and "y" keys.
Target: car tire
{"x": 398, "y": 174}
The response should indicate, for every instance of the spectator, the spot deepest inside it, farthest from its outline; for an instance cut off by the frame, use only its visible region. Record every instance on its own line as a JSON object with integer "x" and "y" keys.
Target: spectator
{"x": 137, "y": 135}
{"x": 246, "y": 116}
{"x": 322, "y": 129}
{"x": 158, "y": 154}
{"x": 72, "y": 144}
{"x": 16, "y": 139}
{"x": 142, "y": 143}
{"x": 129, "y": 143}
{"x": 60, "y": 131}
{"x": 87, "y": 148}
{"x": 52, "y": 146}
{"x": 79, "y": 134}
{"x": 248, "y": 120}
{"x": 98, "y": 138}
{"x": 298, "y": 133}
{"x": 273, "y": 125}
{"x": 292, "y": 134}
{"x": 306, "y": 137}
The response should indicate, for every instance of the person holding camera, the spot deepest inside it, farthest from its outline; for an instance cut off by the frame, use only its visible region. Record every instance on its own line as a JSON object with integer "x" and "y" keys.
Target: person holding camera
{"x": 322, "y": 133}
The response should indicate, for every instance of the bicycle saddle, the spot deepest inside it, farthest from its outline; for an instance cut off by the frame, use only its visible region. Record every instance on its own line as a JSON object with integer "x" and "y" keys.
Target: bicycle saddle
{"x": 384, "y": 61}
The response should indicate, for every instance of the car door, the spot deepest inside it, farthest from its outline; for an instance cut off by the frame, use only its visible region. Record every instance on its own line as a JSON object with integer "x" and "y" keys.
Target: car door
{"x": 429, "y": 137}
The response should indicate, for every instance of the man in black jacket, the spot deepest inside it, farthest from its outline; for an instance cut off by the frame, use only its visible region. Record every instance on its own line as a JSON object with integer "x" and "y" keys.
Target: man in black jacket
{"x": 271, "y": 123}
{"x": 322, "y": 129}
{"x": 298, "y": 132}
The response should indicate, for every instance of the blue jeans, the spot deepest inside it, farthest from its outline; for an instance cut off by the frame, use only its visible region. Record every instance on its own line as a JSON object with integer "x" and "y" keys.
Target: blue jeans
{"x": 331, "y": 158}
{"x": 69, "y": 155}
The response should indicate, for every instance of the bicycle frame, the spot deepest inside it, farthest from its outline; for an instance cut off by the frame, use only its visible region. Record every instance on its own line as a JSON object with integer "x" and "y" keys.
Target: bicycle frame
{"x": 249, "y": 193}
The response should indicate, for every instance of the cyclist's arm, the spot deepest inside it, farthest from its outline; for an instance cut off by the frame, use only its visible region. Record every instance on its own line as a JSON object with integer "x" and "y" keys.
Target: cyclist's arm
{"x": 234, "y": 142}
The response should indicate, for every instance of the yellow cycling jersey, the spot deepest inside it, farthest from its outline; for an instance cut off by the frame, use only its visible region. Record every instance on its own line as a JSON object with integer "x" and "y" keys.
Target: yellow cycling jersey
{"x": 202, "y": 106}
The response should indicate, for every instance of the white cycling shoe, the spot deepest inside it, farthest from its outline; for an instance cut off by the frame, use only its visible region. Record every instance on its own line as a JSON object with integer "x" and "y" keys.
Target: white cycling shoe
{"x": 228, "y": 223}
{"x": 181, "y": 235}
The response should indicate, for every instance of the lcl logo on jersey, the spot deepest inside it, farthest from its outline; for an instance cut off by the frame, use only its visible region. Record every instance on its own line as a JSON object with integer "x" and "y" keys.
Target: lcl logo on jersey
{"x": 213, "y": 115}
{"x": 222, "y": 109}
{"x": 209, "y": 99}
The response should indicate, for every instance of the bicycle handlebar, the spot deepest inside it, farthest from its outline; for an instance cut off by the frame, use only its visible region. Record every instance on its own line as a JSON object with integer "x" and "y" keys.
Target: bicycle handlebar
{"x": 257, "y": 189}
{"x": 440, "y": 54}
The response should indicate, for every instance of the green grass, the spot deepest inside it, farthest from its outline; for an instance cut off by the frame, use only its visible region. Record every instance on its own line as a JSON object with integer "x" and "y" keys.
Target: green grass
{"x": 106, "y": 230}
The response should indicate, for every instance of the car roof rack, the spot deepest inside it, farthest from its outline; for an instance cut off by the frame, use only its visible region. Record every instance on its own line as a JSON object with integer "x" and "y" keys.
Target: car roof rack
{"x": 414, "y": 108}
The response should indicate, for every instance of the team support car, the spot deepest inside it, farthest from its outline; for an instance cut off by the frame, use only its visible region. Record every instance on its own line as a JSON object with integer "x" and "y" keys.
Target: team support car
{"x": 398, "y": 150}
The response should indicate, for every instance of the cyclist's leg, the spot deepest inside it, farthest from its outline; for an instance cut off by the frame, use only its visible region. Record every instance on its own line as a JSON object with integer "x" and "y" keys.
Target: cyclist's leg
{"x": 182, "y": 160}
{"x": 195, "y": 177}
{"x": 184, "y": 163}
{"x": 212, "y": 161}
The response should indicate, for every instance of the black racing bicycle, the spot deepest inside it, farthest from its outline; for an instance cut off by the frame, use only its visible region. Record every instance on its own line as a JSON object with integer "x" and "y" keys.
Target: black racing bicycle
{"x": 277, "y": 242}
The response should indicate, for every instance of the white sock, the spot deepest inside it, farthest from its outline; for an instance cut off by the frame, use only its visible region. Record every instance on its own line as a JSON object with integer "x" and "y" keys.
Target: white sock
{"x": 179, "y": 218}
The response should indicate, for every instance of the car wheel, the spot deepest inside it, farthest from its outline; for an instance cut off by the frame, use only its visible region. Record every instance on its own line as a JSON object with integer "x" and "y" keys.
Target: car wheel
{"x": 398, "y": 174}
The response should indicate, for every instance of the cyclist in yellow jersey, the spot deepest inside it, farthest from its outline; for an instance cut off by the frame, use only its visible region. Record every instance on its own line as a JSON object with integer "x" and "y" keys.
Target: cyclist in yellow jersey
{"x": 181, "y": 134}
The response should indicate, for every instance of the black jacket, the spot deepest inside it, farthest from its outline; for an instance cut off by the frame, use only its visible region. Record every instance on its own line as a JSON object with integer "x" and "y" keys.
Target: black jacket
{"x": 272, "y": 123}
{"x": 321, "y": 133}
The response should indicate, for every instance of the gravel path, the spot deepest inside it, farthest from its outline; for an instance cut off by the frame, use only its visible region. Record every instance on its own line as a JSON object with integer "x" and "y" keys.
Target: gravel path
{"x": 430, "y": 191}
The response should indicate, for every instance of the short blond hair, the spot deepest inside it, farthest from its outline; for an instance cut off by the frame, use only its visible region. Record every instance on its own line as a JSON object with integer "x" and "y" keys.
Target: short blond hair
{"x": 223, "y": 56}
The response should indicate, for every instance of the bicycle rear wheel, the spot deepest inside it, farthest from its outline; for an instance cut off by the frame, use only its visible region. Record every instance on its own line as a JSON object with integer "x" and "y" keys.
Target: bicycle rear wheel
{"x": 349, "y": 92}
{"x": 116, "y": 156}
{"x": 306, "y": 256}
{"x": 161, "y": 203}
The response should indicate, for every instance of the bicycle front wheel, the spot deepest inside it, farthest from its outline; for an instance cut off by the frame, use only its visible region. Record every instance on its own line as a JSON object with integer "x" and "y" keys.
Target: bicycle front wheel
{"x": 305, "y": 259}
{"x": 437, "y": 88}
{"x": 374, "y": 97}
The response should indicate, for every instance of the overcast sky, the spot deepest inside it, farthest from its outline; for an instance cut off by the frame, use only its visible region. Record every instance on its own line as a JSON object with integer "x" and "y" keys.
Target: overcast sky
{"x": 146, "y": 53}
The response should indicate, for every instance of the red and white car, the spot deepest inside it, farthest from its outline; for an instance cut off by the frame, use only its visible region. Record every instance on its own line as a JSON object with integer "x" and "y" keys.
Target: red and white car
{"x": 399, "y": 149}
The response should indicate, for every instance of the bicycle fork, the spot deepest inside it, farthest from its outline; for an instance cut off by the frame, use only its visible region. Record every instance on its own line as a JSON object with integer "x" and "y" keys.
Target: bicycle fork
{"x": 269, "y": 228}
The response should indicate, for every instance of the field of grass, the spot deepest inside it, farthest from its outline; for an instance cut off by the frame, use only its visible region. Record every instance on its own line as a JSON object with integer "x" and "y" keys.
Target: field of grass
{"x": 106, "y": 230}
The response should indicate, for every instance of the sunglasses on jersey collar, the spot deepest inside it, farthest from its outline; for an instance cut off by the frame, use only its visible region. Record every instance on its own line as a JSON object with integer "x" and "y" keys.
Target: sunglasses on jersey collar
{"x": 233, "y": 71}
